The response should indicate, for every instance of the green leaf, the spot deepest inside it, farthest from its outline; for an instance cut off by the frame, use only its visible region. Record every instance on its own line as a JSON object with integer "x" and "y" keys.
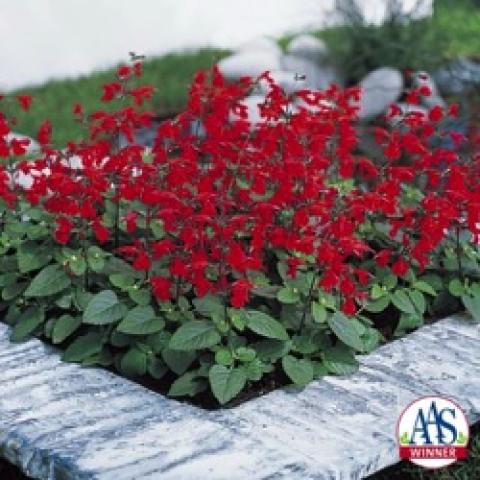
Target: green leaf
{"x": 377, "y": 292}
{"x": 456, "y": 288}
{"x": 319, "y": 313}
{"x": 189, "y": 384}
{"x": 195, "y": 335}
{"x": 27, "y": 323}
{"x": 408, "y": 322}
{"x": 156, "y": 368}
{"x": 418, "y": 300}
{"x": 371, "y": 339}
{"x": 156, "y": 226}
{"x": 134, "y": 363}
{"x": 226, "y": 382}
{"x": 49, "y": 281}
{"x": 122, "y": 280}
{"x": 340, "y": 360}
{"x": 82, "y": 298}
{"x": 271, "y": 350}
{"x": 178, "y": 361}
{"x": 84, "y": 347}
{"x": 104, "y": 308}
{"x": 402, "y": 301}
{"x": 299, "y": 371}
{"x": 103, "y": 358}
{"x": 224, "y": 357}
{"x": 12, "y": 291}
{"x": 96, "y": 258}
{"x": 288, "y": 295}
{"x": 390, "y": 281}
{"x": 32, "y": 257}
{"x": 77, "y": 264}
{"x": 435, "y": 281}
{"x": 209, "y": 305}
{"x": 65, "y": 301}
{"x": 8, "y": 278}
{"x": 141, "y": 296}
{"x": 64, "y": 327}
{"x": 343, "y": 328}
{"x": 141, "y": 320}
{"x": 472, "y": 304}
{"x": 424, "y": 287}
{"x": 264, "y": 325}
{"x": 245, "y": 354}
{"x": 254, "y": 370}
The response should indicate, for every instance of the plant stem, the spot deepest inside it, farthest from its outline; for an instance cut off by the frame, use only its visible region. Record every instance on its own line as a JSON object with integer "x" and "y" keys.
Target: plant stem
{"x": 309, "y": 301}
{"x": 458, "y": 250}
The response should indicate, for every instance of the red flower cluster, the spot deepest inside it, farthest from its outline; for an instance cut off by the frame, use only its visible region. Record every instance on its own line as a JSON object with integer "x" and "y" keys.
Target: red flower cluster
{"x": 232, "y": 197}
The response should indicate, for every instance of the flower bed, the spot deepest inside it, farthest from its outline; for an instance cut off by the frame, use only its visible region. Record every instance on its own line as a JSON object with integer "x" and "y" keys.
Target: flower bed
{"x": 236, "y": 257}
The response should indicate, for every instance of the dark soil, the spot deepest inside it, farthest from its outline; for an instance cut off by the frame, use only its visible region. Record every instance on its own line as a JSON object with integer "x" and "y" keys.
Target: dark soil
{"x": 10, "y": 472}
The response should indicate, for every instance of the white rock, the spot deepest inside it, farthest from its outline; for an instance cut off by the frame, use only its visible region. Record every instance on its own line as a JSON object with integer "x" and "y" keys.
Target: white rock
{"x": 309, "y": 47}
{"x": 24, "y": 180}
{"x": 261, "y": 44}
{"x": 380, "y": 89}
{"x": 316, "y": 77}
{"x": 420, "y": 79}
{"x": 248, "y": 64}
{"x": 33, "y": 146}
{"x": 290, "y": 82}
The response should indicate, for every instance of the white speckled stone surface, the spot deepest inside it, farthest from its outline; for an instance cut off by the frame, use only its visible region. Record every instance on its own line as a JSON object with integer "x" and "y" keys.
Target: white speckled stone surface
{"x": 62, "y": 422}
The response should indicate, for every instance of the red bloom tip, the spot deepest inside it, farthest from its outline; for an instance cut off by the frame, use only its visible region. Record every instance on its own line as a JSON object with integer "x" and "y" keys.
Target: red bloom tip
{"x": 161, "y": 288}
{"x": 24, "y": 101}
{"x": 101, "y": 233}
{"x": 240, "y": 293}
{"x": 349, "y": 307}
{"x": 44, "y": 134}
{"x": 400, "y": 267}
{"x": 142, "y": 262}
{"x": 123, "y": 71}
{"x": 77, "y": 109}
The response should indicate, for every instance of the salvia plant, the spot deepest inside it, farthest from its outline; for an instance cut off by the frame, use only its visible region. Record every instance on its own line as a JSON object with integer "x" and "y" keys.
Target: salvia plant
{"x": 234, "y": 254}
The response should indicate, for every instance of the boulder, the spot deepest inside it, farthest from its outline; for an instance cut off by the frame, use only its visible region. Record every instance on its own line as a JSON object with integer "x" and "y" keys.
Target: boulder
{"x": 248, "y": 63}
{"x": 458, "y": 77}
{"x": 316, "y": 77}
{"x": 380, "y": 88}
{"x": 309, "y": 47}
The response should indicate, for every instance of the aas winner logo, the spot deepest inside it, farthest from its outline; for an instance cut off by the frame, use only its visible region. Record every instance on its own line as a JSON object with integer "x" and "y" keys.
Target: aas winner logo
{"x": 433, "y": 432}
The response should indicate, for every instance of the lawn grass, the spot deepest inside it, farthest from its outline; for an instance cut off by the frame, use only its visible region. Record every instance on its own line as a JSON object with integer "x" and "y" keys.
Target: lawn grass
{"x": 454, "y": 29}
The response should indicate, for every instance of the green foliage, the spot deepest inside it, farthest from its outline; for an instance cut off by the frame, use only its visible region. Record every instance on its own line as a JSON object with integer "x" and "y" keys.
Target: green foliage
{"x": 359, "y": 47}
{"x": 226, "y": 383}
{"x": 102, "y": 311}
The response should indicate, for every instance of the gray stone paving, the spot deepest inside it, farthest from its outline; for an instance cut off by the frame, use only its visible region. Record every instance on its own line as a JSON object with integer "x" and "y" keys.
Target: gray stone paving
{"x": 62, "y": 422}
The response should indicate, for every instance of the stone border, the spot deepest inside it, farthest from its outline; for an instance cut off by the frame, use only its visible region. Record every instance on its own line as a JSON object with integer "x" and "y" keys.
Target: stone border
{"x": 60, "y": 421}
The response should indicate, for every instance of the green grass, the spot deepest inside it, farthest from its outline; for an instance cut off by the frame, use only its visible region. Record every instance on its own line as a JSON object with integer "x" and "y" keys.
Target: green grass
{"x": 460, "y": 21}
{"x": 453, "y": 30}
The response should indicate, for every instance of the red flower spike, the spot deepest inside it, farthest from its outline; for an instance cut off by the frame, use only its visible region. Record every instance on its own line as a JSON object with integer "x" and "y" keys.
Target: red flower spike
{"x": 25, "y": 101}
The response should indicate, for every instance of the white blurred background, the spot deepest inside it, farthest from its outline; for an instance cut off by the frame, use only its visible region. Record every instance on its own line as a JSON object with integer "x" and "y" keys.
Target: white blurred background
{"x": 45, "y": 39}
